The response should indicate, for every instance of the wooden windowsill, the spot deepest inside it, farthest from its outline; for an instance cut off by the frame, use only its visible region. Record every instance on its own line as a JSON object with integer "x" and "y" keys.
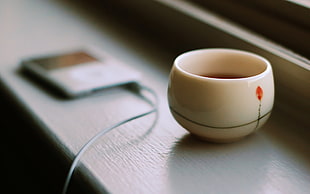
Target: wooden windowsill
{"x": 164, "y": 159}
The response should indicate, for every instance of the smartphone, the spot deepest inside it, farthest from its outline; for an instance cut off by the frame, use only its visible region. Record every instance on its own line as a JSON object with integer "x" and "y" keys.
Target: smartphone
{"x": 80, "y": 72}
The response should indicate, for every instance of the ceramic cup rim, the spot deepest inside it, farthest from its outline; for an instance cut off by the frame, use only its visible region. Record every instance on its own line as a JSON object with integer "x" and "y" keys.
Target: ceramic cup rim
{"x": 181, "y": 57}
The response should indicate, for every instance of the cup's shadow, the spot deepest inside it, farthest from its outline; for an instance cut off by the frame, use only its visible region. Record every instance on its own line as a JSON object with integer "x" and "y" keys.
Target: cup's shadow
{"x": 200, "y": 167}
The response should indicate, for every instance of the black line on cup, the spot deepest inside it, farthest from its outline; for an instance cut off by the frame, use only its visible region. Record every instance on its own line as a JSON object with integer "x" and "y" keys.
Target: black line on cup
{"x": 259, "y": 117}
{"x": 204, "y": 125}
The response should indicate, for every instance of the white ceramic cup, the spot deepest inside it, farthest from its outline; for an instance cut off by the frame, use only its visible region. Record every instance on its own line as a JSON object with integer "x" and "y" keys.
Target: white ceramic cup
{"x": 221, "y": 95}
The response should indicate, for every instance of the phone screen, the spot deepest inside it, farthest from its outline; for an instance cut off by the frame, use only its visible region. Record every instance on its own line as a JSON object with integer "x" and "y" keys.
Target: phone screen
{"x": 67, "y": 60}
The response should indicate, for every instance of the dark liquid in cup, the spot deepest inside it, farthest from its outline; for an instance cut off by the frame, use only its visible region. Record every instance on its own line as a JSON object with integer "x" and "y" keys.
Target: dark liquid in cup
{"x": 224, "y": 76}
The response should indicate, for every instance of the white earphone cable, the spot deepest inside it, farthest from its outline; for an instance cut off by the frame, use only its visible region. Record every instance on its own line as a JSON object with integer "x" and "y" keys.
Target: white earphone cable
{"x": 106, "y": 130}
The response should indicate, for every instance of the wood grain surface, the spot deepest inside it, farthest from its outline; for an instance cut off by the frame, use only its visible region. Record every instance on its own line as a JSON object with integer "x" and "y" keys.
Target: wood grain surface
{"x": 136, "y": 158}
